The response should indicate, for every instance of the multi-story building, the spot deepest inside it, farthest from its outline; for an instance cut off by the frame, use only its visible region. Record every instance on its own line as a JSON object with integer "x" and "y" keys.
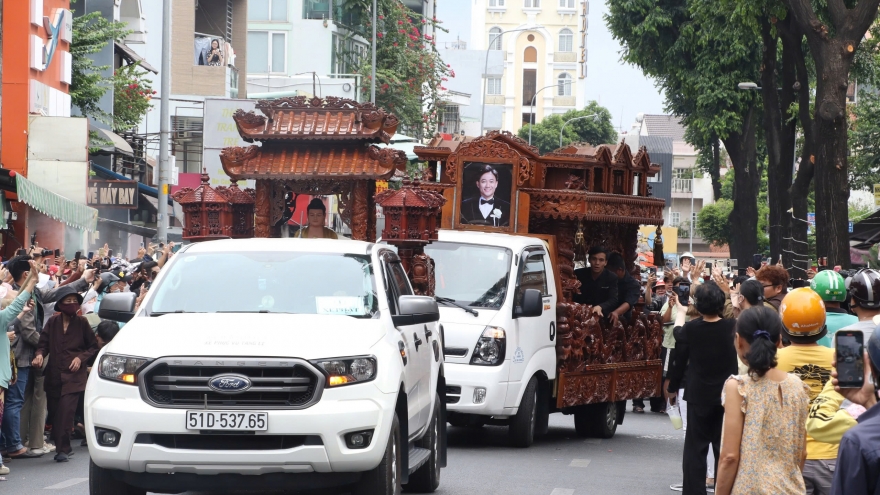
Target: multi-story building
{"x": 544, "y": 47}
{"x": 462, "y": 103}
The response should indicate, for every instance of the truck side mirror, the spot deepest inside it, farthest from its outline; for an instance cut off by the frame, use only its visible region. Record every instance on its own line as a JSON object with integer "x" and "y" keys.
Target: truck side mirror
{"x": 532, "y": 305}
{"x": 414, "y": 310}
{"x": 118, "y": 307}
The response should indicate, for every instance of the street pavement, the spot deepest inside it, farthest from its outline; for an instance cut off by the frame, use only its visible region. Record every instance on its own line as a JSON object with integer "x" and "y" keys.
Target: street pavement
{"x": 644, "y": 458}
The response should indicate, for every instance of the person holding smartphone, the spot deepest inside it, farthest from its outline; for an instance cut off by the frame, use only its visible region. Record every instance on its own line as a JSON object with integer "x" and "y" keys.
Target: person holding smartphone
{"x": 858, "y": 466}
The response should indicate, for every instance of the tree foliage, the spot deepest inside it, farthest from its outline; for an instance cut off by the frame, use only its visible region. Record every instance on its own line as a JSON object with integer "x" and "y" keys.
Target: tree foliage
{"x": 91, "y": 33}
{"x": 132, "y": 93}
{"x": 593, "y": 130}
{"x": 410, "y": 74}
{"x": 864, "y": 135}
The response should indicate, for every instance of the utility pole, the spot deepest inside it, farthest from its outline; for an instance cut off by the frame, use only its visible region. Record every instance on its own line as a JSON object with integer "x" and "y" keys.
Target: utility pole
{"x": 373, "y": 79}
{"x": 164, "y": 124}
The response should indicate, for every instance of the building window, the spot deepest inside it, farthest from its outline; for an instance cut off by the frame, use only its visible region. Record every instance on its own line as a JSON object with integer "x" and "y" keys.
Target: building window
{"x": 532, "y": 4}
{"x": 566, "y": 40}
{"x": 268, "y": 52}
{"x": 314, "y": 9}
{"x": 530, "y": 79}
{"x": 451, "y": 120}
{"x": 495, "y": 38}
{"x": 674, "y": 219}
{"x": 658, "y": 177}
{"x": 566, "y": 4}
{"x": 530, "y": 55}
{"x": 267, "y": 10}
{"x": 564, "y": 85}
{"x": 496, "y": 3}
{"x": 494, "y": 86}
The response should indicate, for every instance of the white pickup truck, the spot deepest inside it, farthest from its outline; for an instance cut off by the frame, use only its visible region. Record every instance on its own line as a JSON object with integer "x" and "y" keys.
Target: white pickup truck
{"x": 267, "y": 364}
{"x": 498, "y": 296}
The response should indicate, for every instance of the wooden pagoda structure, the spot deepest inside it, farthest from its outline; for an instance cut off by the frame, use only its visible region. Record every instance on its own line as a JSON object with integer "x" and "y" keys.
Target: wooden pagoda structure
{"x": 318, "y": 147}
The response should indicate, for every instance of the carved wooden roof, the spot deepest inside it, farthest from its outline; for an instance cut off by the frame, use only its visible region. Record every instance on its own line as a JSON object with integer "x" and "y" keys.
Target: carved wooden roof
{"x": 329, "y": 119}
{"x": 202, "y": 194}
{"x": 410, "y": 197}
{"x": 316, "y": 161}
{"x": 236, "y": 195}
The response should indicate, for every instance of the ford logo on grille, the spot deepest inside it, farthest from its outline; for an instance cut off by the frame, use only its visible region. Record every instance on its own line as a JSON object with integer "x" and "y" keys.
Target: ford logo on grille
{"x": 229, "y": 384}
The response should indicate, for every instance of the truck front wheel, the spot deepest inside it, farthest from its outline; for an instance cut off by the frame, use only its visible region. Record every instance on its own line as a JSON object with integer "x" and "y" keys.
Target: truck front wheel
{"x": 523, "y": 425}
{"x": 102, "y": 482}
{"x": 426, "y": 479}
{"x": 384, "y": 479}
{"x": 596, "y": 420}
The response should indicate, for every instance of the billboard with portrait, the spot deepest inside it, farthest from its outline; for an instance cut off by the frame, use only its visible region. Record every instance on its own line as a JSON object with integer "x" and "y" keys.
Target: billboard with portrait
{"x": 486, "y": 193}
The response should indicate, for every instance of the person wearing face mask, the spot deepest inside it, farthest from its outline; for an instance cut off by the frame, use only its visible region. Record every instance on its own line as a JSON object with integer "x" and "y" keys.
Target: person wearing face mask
{"x": 70, "y": 342}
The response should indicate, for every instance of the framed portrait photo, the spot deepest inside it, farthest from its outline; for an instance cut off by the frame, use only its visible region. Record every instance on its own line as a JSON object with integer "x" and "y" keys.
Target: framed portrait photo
{"x": 486, "y": 196}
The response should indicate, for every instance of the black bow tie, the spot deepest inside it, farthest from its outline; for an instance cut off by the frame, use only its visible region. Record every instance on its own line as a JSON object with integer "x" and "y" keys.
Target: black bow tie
{"x": 487, "y": 201}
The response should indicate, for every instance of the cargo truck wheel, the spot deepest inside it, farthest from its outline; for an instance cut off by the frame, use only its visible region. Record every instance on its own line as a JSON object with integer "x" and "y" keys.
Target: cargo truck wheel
{"x": 523, "y": 425}
{"x": 426, "y": 479}
{"x": 384, "y": 479}
{"x": 596, "y": 420}
{"x": 101, "y": 482}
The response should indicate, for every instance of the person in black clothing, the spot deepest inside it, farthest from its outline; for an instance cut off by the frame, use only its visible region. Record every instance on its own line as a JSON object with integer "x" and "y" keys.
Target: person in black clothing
{"x": 598, "y": 285}
{"x": 704, "y": 355}
{"x": 485, "y": 208}
{"x": 628, "y": 290}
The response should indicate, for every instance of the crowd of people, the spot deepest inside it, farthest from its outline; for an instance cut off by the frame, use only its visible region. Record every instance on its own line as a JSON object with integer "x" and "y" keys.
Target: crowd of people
{"x": 749, "y": 362}
{"x": 49, "y": 307}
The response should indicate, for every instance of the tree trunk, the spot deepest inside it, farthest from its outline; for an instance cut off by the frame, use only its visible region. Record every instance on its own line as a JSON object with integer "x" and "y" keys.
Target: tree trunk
{"x": 779, "y": 133}
{"x": 744, "y": 216}
{"x": 833, "y": 50}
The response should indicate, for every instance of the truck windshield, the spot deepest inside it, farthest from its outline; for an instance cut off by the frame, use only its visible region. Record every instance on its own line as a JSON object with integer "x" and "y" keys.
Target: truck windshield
{"x": 471, "y": 274}
{"x": 267, "y": 282}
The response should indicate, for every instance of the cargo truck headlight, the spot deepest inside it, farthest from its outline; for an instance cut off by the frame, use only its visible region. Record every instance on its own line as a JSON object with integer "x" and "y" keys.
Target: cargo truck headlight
{"x": 490, "y": 348}
{"x": 120, "y": 368}
{"x": 346, "y": 371}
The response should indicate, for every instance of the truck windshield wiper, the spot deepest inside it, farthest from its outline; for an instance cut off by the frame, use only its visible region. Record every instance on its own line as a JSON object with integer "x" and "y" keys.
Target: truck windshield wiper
{"x": 179, "y": 311}
{"x": 451, "y": 302}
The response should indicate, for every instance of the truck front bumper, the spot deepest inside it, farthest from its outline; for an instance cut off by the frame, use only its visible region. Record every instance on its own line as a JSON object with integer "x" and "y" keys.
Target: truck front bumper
{"x": 155, "y": 441}
{"x": 465, "y": 379}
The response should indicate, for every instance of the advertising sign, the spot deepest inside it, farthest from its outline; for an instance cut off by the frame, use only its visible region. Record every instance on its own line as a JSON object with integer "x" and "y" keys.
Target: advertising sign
{"x": 113, "y": 194}
{"x": 220, "y": 132}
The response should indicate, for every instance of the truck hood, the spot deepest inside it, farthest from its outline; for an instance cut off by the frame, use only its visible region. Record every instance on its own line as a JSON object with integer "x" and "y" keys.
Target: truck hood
{"x": 462, "y": 329}
{"x": 247, "y": 334}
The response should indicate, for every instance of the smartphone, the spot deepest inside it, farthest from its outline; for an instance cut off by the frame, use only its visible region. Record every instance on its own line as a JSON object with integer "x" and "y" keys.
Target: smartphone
{"x": 683, "y": 291}
{"x": 708, "y": 269}
{"x": 21, "y": 252}
{"x": 757, "y": 259}
{"x": 57, "y": 253}
{"x": 659, "y": 274}
{"x": 34, "y": 238}
{"x": 850, "y": 348}
{"x": 109, "y": 252}
{"x": 91, "y": 255}
{"x": 740, "y": 272}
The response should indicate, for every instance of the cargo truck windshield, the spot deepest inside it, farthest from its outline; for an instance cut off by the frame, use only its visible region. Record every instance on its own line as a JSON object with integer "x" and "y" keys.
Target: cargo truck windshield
{"x": 471, "y": 274}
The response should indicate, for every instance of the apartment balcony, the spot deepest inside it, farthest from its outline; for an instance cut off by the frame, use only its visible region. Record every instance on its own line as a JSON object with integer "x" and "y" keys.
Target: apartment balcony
{"x": 682, "y": 188}
{"x": 565, "y": 57}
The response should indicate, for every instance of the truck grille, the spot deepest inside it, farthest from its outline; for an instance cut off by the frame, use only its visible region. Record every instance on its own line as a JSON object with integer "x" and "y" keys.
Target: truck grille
{"x": 275, "y": 384}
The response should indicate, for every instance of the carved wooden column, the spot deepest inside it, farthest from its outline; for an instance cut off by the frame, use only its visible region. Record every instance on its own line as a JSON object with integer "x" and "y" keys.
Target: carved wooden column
{"x": 371, "y": 209}
{"x": 360, "y": 213}
{"x": 262, "y": 208}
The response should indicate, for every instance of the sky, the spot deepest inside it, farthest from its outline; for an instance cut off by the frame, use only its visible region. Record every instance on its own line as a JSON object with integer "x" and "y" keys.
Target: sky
{"x": 619, "y": 87}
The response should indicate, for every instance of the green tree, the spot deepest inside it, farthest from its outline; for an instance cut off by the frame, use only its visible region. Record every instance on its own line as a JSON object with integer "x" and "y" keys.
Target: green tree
{"x": 91, "y": 33}
{"x": 713, "y": 222}
{"x": 594, "y": 130}
{"x": 410, "y": 73}
{"x": 864, "y": 136}
{"x": 698, "y": 70}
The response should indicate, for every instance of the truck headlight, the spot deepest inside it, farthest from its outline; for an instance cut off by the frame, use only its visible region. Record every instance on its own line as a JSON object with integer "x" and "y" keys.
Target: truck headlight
{"x": 120, "y": 368}
{"x": 490, "y": 348}
{"x": 346, "y": 371}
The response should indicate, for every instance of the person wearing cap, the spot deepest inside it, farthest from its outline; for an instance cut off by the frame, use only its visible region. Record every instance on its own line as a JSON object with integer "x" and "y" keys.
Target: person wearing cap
{"x": 765, "y": 412}
{"x": 858, "y": 462}
{"x": 831, "y": 287}
{"x": 655, "y": 294}
{"x": 317, "y": 215}
{"x": 864, "y": 300}
{"x": 69, "y": 341}
{"x": 804, "y": 322}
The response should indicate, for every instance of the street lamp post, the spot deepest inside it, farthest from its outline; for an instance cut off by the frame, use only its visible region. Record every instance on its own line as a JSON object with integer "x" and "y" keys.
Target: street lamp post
{"x": 532, "y": 107}
{"x": 486, "y": 75}
{"x": 571, "y": 120}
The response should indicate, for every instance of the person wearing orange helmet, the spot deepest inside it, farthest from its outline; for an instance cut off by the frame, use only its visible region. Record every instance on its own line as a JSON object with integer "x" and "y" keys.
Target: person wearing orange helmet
{"x": 803, "y": 318}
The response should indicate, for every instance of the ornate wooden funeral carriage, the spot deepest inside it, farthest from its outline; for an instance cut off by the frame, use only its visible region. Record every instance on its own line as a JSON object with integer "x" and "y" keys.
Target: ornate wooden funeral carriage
{"x": 573, "y": 198}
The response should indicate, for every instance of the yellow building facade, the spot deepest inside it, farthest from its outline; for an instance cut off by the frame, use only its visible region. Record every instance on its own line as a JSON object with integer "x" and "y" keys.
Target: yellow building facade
{"x": 545, "y": 56}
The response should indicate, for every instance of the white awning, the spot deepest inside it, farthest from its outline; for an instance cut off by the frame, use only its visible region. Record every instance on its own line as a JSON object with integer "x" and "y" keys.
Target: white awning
{"x": 117, "y": 144}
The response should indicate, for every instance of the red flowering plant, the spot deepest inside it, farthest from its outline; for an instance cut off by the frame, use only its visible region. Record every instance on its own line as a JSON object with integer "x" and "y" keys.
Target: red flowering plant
{"x": 131, "y": 97}
{"x": 409, "y": 70}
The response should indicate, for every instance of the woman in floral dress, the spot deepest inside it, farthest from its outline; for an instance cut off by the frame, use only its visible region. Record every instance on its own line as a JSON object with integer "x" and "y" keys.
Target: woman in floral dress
{"x": 763, "y": 444}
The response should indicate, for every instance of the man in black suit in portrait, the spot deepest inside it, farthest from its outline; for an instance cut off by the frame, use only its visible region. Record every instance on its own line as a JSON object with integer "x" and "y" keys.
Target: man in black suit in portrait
{"x": 486, "y": 209}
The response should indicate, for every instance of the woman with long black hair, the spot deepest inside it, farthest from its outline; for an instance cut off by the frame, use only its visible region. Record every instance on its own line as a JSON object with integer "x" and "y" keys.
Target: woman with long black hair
{"x": 763, "y": 445}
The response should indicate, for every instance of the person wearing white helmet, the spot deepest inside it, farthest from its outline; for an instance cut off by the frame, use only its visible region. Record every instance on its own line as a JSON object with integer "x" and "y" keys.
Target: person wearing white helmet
{"x": 863, "y": 292}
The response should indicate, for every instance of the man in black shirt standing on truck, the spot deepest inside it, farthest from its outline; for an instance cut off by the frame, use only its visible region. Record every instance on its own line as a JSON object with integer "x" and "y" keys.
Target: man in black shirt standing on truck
{"x": 598, "y": 285}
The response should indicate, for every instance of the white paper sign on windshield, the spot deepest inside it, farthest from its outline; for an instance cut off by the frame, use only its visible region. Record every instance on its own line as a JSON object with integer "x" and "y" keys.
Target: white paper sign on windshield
{"x": 339, "y": 305}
